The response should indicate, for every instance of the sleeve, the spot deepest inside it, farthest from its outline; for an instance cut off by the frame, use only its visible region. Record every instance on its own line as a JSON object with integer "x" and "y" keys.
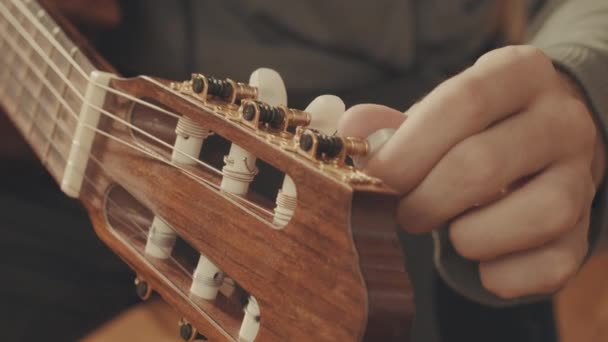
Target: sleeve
{"x": 574, "y": 34}
{"x": 575, "y": 37}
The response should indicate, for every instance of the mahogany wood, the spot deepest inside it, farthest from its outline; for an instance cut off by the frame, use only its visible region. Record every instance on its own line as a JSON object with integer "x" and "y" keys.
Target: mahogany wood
{"x": 317, "y": 277}
{"x": 335, "y": 273}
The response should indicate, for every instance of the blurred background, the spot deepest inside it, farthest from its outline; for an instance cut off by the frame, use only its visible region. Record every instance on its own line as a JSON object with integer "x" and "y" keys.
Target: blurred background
{"x": 94, "y": 289}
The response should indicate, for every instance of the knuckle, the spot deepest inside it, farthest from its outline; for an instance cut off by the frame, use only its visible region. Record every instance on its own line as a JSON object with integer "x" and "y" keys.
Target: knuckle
{"x": 471, "y": 93}
{"x": 466, "y": 91}
{"x": 479, "y": 163}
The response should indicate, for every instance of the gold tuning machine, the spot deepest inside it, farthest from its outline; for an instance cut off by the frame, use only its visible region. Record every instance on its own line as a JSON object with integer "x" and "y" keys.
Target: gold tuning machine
{"x": 228, "y": 90}
{"x": 329, "y": 148}
{"x": 142, "y": 289}
{"x": 189, "y": 333}
{"x": 260, "y": 115}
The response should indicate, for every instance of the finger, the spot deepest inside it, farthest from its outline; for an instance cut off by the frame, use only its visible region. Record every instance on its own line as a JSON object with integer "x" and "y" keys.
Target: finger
{"x": 465, "y": 105}
{"x": 537, "y": 271}
{"x": 478, "y": 168}
{"x": 547, "y": 207}
{"x": 363, "y": 120}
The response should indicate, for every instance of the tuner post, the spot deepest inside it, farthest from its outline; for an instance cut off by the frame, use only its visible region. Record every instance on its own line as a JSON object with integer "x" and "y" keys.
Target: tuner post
{"x": 226, "y": 89}
{"x": 161, "y": 239}
{"x": 329, "y": 148}
{"x": 142, "y": 289}
{"x": 323, "y": 115}
{"x": 251, "y": 321}
{"x": 207, "y": 279}
{"x": 260, "y": 115}
{"x": 189, "y": 138}
{"x": 189, "y": 333}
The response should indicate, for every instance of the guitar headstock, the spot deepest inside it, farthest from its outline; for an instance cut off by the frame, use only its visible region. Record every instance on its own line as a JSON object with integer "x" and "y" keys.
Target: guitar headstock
{"x": 245, "y": 214}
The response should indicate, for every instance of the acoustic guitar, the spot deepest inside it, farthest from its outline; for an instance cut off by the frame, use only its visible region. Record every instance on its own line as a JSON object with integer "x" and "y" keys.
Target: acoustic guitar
{"x": 175, "y": 177}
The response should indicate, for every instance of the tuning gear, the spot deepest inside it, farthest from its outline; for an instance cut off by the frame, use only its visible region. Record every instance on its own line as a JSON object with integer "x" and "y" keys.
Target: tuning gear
{"x": 325, "y": 148}
{"x": 238, "y": 172}
{"x": 142, "y": 289}
{"x": 325, "y": 268}
{"x": 261, "y": 115}
{"x": 239, "y": 169}
{"x": 189, "y": 333}
{"x": 374, "y": 142}
{"x": 226, "y": 89}
{"x": 325, "y": 111}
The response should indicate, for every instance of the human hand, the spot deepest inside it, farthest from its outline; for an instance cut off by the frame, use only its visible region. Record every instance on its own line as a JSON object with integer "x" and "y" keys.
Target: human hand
{"x": 508, "y": 154}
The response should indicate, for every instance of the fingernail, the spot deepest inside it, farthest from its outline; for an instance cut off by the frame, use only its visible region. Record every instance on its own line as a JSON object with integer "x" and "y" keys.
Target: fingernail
{"x": 374, "y": 142}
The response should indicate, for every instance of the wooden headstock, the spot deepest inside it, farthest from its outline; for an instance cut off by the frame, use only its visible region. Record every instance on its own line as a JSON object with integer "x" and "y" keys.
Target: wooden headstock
{"x": 335, "y": 272}
{"x": 317, "y": 258}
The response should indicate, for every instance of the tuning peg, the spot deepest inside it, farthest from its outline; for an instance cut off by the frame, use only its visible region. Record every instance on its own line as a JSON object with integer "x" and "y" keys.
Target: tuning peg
{"x": 270, "y": 86}
{"x": 225, "y": 89}
{"x": 325, "y": 111}
{"x": 238, "y": 172}
{"x": 189, "y": 333}
{"x": 142, "y": 289}
{"x": 188, "y": 143}
{"x": 374, "y": 141}
{"x": 161, "y": 239}
{"x": 239, "y": 165}
{"x": 318, "y": 146}
{"x": 258, "y": 114}
{"x": 207, "y": 279}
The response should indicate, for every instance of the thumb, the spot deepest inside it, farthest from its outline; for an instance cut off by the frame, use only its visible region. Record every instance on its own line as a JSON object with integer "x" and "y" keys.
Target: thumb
{"x": 374, "y": 122}
{"x": 362, "y": 120}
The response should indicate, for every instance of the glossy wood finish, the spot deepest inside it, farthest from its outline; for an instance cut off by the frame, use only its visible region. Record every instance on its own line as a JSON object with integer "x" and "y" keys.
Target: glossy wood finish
{"x": 335, "y": 273}
{"x": 320, "y": 277}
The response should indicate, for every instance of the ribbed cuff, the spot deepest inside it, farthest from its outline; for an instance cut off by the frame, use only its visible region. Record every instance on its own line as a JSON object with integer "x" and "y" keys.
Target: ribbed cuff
{"x": 590, "y": 69}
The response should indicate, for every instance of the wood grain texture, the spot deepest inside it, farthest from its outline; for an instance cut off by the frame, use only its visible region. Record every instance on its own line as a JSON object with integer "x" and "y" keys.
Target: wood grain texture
{"x": 335, "y": 273}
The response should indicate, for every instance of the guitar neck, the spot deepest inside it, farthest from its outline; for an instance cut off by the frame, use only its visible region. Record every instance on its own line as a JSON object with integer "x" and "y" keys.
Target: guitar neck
{"x": 43, "y": 79}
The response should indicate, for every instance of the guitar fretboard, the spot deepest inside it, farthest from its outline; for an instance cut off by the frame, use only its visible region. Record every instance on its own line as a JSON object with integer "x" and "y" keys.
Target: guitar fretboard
{"x": 43, "y": 76}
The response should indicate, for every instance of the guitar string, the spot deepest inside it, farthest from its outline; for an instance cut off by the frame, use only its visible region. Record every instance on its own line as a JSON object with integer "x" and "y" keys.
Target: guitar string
{"x": 135, "y": 227}
{"x": 75, "y": 65}
{"x": 67, "y": 82}
{"x": 109, "y": 135}
{"x": 53, "y": 41}
{"x": 233, "y": 198}
{"x": 67, "y": 56}
{"x": 73, "y": 114}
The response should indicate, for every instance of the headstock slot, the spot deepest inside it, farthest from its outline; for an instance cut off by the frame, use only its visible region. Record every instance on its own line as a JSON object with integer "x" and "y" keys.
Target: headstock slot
{"x": 263, "y": 189}
{"x": 314, "y": 272}
{"x": 129, "y": 220}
